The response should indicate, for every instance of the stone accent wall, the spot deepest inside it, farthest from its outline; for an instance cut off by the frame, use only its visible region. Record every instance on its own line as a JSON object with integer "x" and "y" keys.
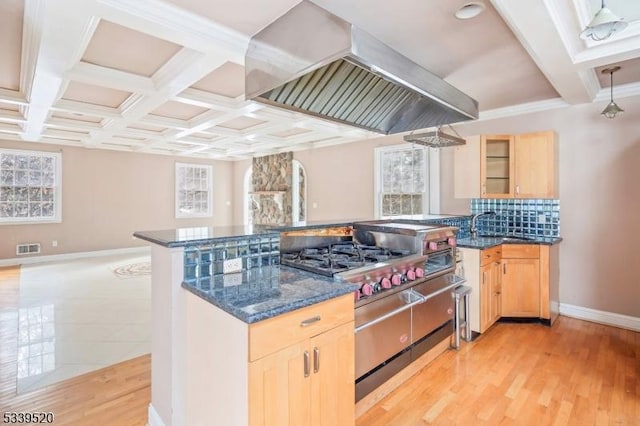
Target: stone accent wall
{"x": 272, "y": 177}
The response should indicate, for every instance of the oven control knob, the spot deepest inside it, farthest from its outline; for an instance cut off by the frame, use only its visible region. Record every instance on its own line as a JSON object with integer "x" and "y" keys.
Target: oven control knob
{"x": 452, "y": 241}
{"x": 419, "y": 272}
{"x": 386, "y": 283}
{"x": 433, "y": 245}
{"x": 396, "y": 279}
{"x": 411, "y": 274}
{"x": 366, "y": 290}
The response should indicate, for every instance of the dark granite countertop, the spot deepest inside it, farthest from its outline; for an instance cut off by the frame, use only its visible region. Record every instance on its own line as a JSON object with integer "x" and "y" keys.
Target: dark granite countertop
{"x": 257, "y": 294}
{"x": 487, "y": 242}
{"x": 181, "y": 237}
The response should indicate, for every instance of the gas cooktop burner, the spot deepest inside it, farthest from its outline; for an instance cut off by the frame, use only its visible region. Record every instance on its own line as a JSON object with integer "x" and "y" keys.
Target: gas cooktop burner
{"x": 340, "y": 257}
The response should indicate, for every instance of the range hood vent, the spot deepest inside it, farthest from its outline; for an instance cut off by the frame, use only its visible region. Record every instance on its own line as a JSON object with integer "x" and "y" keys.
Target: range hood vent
{"x": 311, "y": 61}
{"x": 435, "y": 139}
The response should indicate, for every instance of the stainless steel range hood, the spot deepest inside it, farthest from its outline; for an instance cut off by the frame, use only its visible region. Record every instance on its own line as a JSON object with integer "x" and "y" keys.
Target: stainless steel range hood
{"x": 312, "y": 61}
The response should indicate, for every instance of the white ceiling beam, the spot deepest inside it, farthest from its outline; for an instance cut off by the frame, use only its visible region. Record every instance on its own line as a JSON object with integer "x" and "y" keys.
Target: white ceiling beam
{"x": 59, "y": 30}
{"x": 533, "y": 24}
{"x": 8, "y": 116}
{"x": 97, "y": 75}
{"x": 84, "y": 108}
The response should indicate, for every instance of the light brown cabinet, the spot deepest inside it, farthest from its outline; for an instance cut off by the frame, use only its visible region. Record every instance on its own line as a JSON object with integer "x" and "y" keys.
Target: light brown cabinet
{"x": 309, "y": 381}
{"x": 482, "y": 272}
{"x": 507, "y": 166}
{"x": 520, "y": 166}
{"x": 490, "y": 302}
{"x": 520, "y": 281}
{"x": 512, "y": 280}
{"x": 497, "y": 162}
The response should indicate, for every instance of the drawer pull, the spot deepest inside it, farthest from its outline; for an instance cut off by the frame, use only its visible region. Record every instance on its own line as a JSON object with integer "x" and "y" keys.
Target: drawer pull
{"x": 310, "y": 321}
{"x": 316, "y": 360}
{"x": 306, "y": 364}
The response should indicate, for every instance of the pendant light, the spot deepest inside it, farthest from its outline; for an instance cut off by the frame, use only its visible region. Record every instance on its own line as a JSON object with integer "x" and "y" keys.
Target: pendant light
{"x": 612, "y": 108}
{"x": 603, "y": 25}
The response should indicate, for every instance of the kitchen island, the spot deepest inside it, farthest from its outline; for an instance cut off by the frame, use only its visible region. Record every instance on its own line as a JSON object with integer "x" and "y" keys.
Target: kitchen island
{"x": 220, "y": 340}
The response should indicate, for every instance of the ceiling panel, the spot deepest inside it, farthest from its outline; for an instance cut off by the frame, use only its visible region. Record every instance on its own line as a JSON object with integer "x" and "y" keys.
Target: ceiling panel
{"x": 124, "y": 49}
{"x": 178, "y": 110}
{"x": 95, "y": 95}
{"x": 246, "y": 16}
{"x": 227, "y": 80}
{"x": 629, "y": 73}
{"x": 11, "y": 13}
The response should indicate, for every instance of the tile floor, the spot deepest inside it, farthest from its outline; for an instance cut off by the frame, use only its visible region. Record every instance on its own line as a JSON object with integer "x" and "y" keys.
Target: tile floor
{"x": 80, "y": 315}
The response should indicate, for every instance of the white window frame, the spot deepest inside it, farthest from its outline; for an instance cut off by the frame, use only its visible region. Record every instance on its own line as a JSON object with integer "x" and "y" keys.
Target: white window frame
{"x": 379, "y": 151}
{"x": 57, "y": 187}
{"x": 208, "y": 187}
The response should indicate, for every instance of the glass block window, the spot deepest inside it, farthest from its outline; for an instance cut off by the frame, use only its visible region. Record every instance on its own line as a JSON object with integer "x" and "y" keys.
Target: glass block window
{"x": 30, "y": 186}
{"x": 194, "y": 190}
{"x": 401, "y": 181}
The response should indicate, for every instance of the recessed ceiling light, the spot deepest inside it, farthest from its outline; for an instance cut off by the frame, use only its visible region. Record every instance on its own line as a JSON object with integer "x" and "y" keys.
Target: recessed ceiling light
{"x": 470, "y": 10}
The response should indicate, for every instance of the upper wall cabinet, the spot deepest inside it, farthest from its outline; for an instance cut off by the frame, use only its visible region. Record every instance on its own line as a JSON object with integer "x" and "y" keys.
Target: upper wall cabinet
{"x": 509, "y": 166}
{"x": 497, "y": 159}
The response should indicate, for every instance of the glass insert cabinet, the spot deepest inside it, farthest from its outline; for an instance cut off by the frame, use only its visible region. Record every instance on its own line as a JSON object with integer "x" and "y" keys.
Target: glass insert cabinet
{"x": 497, "y": 166}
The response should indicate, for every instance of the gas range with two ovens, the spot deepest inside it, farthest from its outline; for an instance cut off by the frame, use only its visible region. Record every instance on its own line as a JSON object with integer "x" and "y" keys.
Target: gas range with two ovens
{"x": 404, "y": 304}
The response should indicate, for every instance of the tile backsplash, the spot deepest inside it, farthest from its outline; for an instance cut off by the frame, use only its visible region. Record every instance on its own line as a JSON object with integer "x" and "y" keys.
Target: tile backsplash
{"x": 528, "y": 217}
{"x": 202, "y": 262}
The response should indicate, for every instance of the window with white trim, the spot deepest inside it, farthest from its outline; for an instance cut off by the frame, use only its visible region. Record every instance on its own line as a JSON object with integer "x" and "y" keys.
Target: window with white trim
{"x": 194, "y": 190}
{"x": 30, "y": 186}
{"x": 402, "y": 181}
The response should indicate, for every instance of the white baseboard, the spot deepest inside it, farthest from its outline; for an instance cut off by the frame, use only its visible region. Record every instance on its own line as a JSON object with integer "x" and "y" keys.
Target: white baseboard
{"x": 71, "y": 256}
{"x": 154, "y": 417}
{"x": 601, "y": 317}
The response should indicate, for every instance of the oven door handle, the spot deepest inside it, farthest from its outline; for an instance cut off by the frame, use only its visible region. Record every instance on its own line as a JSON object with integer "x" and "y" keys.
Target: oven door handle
{"x": 440, "y": 291}
{"x": 410, "y": 294}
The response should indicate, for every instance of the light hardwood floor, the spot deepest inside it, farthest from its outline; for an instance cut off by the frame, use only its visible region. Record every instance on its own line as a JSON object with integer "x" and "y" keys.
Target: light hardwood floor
{"x": 574, "y": 373}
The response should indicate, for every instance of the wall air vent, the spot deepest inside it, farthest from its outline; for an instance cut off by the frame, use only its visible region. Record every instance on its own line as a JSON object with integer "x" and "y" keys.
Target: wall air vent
{"x": 31, "y": 248}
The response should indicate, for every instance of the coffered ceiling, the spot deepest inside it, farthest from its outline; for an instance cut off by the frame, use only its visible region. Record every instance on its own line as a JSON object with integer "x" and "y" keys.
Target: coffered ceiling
{"x": 167, "y": 76}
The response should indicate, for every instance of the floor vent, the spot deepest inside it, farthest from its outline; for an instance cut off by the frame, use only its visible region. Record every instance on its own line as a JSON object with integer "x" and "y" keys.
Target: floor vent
{"x": 27, "y": 249}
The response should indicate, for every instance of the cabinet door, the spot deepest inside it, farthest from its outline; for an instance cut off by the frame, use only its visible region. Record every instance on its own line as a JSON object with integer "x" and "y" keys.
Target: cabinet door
{"x": 279, "y": 392}
{"x": 497, "y": 166}
{"x": 535, "y": 174}
{"x": 485, "y": 297}
{"x": 496, "y": 292}
{"x": 520, "y": 288}
{"x": 333, "y": 377}
{"x": 466, "y": 168}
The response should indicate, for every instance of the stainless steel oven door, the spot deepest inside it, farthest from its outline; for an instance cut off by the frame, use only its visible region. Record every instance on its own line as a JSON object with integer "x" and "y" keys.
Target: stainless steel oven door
{"x": 436, "y": 310}
{"x": 383, "y": 328}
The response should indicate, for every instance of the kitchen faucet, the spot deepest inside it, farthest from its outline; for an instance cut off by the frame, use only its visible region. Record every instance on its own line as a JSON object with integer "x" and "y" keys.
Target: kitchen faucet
{"x": 474, "y": 218}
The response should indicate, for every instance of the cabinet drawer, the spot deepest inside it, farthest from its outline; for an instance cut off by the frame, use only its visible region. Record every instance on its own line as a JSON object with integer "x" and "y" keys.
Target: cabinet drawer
{"x": 273, "y": 334}
{"x": 521, "y": 251}
{"x": 490, "y": 255}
